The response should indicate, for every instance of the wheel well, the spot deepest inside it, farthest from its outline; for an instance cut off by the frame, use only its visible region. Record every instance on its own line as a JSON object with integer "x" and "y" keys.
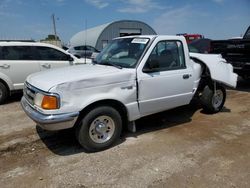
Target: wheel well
{"x": 205, "y": 75}
{"x": 109, "y": 102}
{"x": 6, "y": 85}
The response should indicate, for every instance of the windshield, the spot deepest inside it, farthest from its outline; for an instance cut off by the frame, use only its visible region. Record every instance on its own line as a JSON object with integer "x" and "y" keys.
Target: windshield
{"x": 123, "y": 52}
{"x": 247, "y": 34}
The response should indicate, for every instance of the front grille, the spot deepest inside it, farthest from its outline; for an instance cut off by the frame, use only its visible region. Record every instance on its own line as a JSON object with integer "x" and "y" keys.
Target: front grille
{"x": 29, "y": 93}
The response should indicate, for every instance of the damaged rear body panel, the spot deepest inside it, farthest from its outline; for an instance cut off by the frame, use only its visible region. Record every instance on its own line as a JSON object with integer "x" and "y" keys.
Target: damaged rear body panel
{"x": 219, "y": 69}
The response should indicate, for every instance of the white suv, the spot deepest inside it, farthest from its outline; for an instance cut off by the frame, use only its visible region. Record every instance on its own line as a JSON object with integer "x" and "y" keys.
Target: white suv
{"x": 20, "y": 59}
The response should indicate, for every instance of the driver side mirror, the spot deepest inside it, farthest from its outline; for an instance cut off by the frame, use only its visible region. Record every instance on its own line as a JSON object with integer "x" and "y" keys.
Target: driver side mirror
{"x": 152, "y": 65}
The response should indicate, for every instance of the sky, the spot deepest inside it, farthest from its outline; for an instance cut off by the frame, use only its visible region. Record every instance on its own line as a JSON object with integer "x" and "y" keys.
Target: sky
{"x": 32, "y": 19}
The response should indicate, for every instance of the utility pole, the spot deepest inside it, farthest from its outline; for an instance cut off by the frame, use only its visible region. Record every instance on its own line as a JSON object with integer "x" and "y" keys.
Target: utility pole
{"x": 54, "y": 25}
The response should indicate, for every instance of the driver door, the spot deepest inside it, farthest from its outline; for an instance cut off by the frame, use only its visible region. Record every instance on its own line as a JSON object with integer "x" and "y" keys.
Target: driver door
{"x": 169, "y": 83}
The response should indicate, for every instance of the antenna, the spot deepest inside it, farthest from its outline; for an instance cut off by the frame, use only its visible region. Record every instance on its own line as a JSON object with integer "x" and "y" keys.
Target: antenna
{"x": 85, "y": 41}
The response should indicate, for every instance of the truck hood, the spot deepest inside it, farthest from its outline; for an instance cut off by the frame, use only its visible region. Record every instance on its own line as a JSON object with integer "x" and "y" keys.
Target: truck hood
{"x": 91, "y": 74}
{"x": 220, "y": 70}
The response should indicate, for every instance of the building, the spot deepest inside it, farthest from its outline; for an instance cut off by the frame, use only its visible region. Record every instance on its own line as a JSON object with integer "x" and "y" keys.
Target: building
{"x": 99, "y": 36}
{"x": 52, "y": 39}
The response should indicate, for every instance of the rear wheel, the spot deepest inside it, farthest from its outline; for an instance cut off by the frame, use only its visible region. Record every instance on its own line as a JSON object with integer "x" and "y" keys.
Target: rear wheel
{"x": 99, "y": 128}
{"x": 213, "y": 99}
{"x": 3, "y": 93}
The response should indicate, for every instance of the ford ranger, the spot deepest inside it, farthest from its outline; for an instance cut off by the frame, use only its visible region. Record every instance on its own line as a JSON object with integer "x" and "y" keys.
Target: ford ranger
{"x": 131, "y": 78}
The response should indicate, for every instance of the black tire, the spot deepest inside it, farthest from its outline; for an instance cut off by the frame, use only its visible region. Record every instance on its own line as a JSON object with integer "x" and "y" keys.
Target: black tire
{"x": 99, "y": 128}
{"x": 212, "y": 103}
{"x": 3, "y": 93}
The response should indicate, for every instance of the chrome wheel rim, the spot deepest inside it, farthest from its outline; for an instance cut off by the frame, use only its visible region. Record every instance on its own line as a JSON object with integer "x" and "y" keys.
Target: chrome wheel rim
{"x": 217, "y": 99}
{"x": 101, "y": 129}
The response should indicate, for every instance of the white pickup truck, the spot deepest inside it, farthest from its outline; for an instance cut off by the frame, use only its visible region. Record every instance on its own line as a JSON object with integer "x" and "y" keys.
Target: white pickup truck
{"x": 131, "y": 78}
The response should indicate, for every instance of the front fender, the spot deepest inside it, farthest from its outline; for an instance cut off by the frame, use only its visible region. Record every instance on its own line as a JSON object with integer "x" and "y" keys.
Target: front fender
{"x": 77, "y": 98}
{"x": 219, "y": 69}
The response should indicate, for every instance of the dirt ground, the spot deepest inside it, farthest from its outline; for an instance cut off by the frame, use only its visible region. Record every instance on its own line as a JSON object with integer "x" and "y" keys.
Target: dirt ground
{"x": 183, "y": 147}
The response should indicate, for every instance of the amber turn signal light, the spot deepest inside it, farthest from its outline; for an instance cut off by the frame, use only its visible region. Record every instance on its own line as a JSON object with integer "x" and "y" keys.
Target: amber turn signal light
{"x": 49, "y": 103}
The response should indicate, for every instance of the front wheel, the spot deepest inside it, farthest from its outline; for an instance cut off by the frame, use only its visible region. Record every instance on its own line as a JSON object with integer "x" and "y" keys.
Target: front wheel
{"x": 213, "y": 99}
{"x": 99, "y": 128}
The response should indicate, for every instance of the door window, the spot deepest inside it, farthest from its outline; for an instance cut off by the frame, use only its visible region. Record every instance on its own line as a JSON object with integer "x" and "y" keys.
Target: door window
{"x": 90, "y": 48}
{"x": 80, "y": 48}
{"x": 167, "y": 55}
{"x": 17, "y": 53}
{"x": 50, "y": 54}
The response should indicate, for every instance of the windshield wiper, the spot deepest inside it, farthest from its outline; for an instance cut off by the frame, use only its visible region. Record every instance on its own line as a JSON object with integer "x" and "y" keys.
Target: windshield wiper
{"x": 110, "y": 64}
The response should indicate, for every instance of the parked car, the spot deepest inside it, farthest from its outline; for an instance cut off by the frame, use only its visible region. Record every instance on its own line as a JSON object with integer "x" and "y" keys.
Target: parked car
{"x": 131, "y": 78}
{"x": 200, "y": 46}
{"x": 235, "y": 51}
{"x": 19, "y": 59}
{"x": 82, "y": 51}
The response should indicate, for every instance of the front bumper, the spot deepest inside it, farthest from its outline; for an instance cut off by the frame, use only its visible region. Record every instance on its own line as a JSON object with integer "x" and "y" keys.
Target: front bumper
{"x": 52, "y": 121}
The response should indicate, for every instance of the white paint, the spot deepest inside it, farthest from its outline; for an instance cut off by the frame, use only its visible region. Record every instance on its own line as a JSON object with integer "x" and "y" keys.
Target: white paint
{"x": 220, "y": 70}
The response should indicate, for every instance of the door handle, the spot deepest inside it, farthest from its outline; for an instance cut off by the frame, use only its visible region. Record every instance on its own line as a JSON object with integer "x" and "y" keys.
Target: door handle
{"x": 46, "y": 65}
{"x": 5, "y": 66}
{"x": 186, "y": 76}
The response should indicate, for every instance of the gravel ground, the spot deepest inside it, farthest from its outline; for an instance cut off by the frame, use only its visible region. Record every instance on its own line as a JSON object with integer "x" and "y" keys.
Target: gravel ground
{"x": 183, "y": 147}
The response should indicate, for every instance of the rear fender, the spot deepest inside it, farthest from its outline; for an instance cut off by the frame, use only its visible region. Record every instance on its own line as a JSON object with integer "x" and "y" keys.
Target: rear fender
{"x": 8, "y": 82}
{"x": 220, "y": 70}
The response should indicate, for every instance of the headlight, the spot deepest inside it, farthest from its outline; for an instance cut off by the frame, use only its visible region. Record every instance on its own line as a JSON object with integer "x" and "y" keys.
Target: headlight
{"x": 38, "y": 99}
{"x": 47, "y": 102}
